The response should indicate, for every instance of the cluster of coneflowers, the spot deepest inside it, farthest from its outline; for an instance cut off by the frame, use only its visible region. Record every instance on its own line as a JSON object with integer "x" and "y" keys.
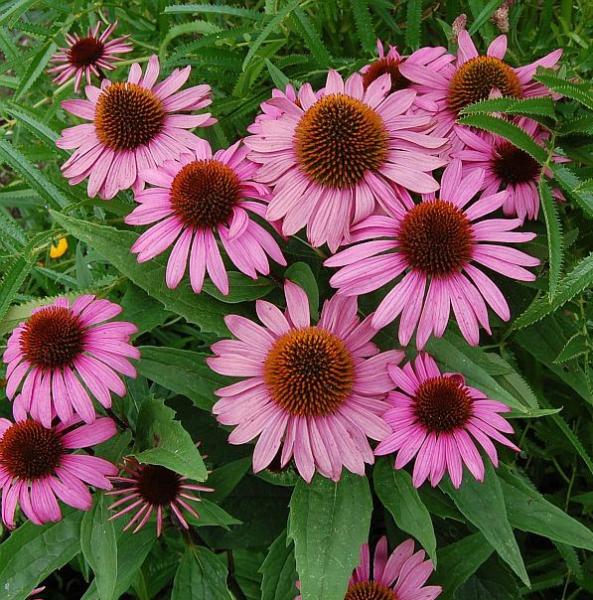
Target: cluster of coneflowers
{"x": 353, "y": 165}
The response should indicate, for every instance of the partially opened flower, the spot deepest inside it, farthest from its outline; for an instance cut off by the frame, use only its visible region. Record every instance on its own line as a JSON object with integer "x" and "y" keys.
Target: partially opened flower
{"x": 338, "y": 155}
{"x": 438, "y": 418}
{"x": 400, "y": 575}
{"x": 473, "y": 78}
{"x": 200, "y": 199}
{"x": 38, "y": 467}
{"x": 88, "y": 55}
{"x": 507, "y": 167}
{"x": 314, "y": 393}
{"x": 152, "y": 489}
{"x": 134, "y": 126}
{"x": 435, "y": 251}
{"x": 64, "y": 354}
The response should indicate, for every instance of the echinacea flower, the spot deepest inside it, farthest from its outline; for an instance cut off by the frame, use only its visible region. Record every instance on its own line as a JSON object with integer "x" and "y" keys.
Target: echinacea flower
{"x": 507, "y": 167}
{"x": 152, "y": 489}
{"x": 198, "y": 199}
{"x": 432, "y": 415}
{"x": 400, "y": 575}
{"x": 472, "y": 78}
{"x": 438, "y": 247}
{"x": 336, "y": 156}
{"x": 317, "y": 391}
{"x": 37, "y": 466}
{"x": 134, "y": 126}
{"x": 88, "y": 55}
{"x": 64, "y": 351}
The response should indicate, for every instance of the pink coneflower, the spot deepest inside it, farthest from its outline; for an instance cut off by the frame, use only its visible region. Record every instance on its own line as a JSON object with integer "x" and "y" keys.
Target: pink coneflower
{"x": 400, "y": 575}
{"x": 62, "y": 352}
{"x": 199, "y": 199}
{"x": 507, "y": 167}
{"x": 431, "y": 417}
{"x": 134, "y": 126}
{"x": 316, "y": 390}
{"x": 37, "y": 467}
{"x": 148, "y": 489}
{"x": 436, "y": 245}
{"x": 87, "y": 56}
{"x": 334, "y": 157}
{"x": 473, "y": 78}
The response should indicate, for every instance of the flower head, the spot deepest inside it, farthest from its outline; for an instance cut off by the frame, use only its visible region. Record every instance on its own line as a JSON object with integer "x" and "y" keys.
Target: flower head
{"x": 37, "y": 466}
{"x": 432, "y": 415}
{"x": 198, "y": 199}
{"x": 89, "y": 55}
{"x": 134, "y": 126}
{"x": 148, "y": 489}
{"x": 472, "y": 78}
{"x": 507, "y": 167}
{"x": 336, "y": 156}
{"x": 61, "y": 351}
{"x": 438, "y": 246}
{"x": 400, "y": 575}
{"x": 316, "y": 390}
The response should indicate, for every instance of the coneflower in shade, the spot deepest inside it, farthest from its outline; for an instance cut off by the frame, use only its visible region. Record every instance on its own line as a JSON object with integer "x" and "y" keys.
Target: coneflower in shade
{"x": 472, "y": 78}
{"x": 508, "y": 167}
{"x": 198, "y": 199}
{"x": 317, "y": 391}
{"x": 64, "y": 354}
{"x": 153, "y": 489}
{"x": 37, "y": 466}
{"x": 435, "y": 251}
{"x": 338, "y": 155}
{"x": 134, "y": 126}
{"x": 89, "y": 55}
{"x": 432, "y": 415}
{"x": 400, "y": 575}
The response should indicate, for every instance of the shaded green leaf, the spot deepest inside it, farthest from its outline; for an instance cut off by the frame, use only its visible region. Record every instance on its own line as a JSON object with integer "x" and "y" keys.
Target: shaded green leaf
{"x": 543, "y": 107}
{"x": 579, "y": 92}
{"x": 279, "y": 571}
{"x": 201, "y": 574}
{"x": 555, "y": 239}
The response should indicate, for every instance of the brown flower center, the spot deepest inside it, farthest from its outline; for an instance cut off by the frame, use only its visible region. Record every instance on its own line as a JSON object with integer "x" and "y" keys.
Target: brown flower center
{"x": 369, "y": 590}
{"x": 475, "y": 80}
{"x": 30, "y": 451}
{"x": 309, "y": 372}
{"x": 436, "y": 238}
{"x": 443, "y": 404}
{"x": 127, "y": 116}
{"x": 338, "y": 139}
{"x": 204, "y": 193}
{"x": 382, "y": 66}
{"x": 512, "y": 165}
{"x": 52, "y": 338}
{"x": 85, "y": 52}
{"x": 158, "y": 485}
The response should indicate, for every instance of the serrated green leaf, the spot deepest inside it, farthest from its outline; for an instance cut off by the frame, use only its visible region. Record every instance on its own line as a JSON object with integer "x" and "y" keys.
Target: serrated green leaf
{"x": 414, "y": 24}
{"x": 543, "y": 107}
{"x": 196, "y": 27}
{"x": 576, "y": 346}
{"x": 364, "y": 24}
{"x": 555, "y": 238}
{"x": 401, "y": 499}
{"x": 579, "y": 92}
{"x": 12, "y": 236}
{"x": 201, "y": 574}
{"x": 572, "y": 185}
{"x": 17, "y": 8}
{"x": 279, "y": 79}
{"x": 233, "y": 11}
{"x": 40, "y": 130}
{"x": 35, "y": 68}
{"x": 311, "y": 37}
{"x": 279, "y": 571}
{"x": 334, "y": 519}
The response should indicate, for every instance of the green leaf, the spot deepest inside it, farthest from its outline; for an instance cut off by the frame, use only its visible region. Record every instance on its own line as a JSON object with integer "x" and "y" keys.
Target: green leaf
{"x": 168, "y": 443}
{"x": 543, "y": 107}
{"x": 183, "y": 372}
{"x": 333, "y": 519}
{"x": 32, "y": 553}
{"x": 17, "y": 8}
{"x": 529, "y": 511}
{"x": 196, "y": 27}
{"x": 142, "y": 310}
{"x": 242, "y": 288}
{"x": 201, "y": 574}
{"x": 279, "y": 571}
{"x": 573, "y": 187}
{"x": 576, "y": 346}
{"x": 12, "y": 235}
{"x": 579, "y": 92}
{"x": 32, "y": 175}
{"x": 401, "y": 499}
{"x": 278, "y": 77}
{"x": 364, "y": 24}
{"x": 35, "y": 68}
{"x": 485, "y": 14}
{"x": 233, "y": 11}
{"x": 99, "y": 547}
{"x": 311, "y": 37}
{"x": 555, "y": 239}
{"x": 302, "y": 274}
{"x": 572, "y": 284}
{"x": 211, "y": 515}
{"x": 115, "y": 244}
{"x": 414, "y": 24}
{"x": 484, "y": 506}
{"x": 510, "y": 132}
{"x": 40, "y": 130}
{"x": 459, "y": 561}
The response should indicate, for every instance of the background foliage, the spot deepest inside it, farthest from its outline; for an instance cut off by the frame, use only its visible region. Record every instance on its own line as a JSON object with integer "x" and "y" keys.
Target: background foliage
{"x": 525, "y": 532}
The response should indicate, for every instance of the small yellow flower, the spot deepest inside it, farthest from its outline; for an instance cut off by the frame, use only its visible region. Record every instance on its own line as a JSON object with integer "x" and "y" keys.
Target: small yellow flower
{"x": 59, "y": 249}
